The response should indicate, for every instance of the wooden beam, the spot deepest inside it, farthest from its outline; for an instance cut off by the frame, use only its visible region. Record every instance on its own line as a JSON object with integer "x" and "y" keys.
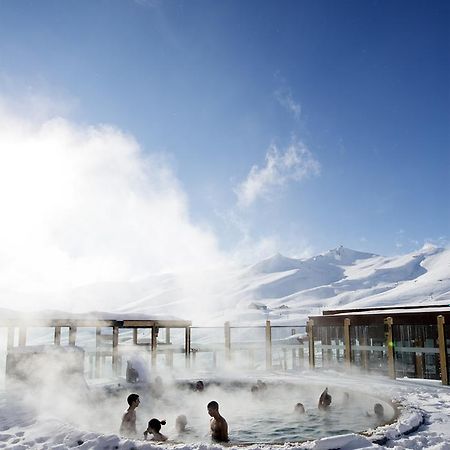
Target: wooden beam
{"x": 443, "y": 354}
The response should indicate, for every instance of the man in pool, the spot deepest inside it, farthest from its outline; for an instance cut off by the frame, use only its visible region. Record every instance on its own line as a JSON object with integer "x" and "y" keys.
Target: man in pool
{"x": 218, "y": 425}
{"x": 128, "y": 425}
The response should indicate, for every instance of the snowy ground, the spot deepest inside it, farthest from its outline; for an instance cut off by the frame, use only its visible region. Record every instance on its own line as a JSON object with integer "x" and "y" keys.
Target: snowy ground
{"x": 423, "y": 405}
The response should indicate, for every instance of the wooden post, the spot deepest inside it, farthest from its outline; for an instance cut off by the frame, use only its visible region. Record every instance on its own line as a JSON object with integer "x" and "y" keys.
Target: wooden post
{"x": 57, "y": 336}
{"x": 154, "y": 344}
{"x": 347, "y": 343}
{"x": 135, "y": 336}
{"x": 310, "y": 331}
{"x": 390, "y": 346}
{"x": 10, "y": 339}
{"x": 442, "y": 349}
{"x": 187, "y": 346}
{"x": 22, "y": 336}
{"x": 168, "y": 352}
{"x": 167, "y": 336}
{"x": 115, "y": 351}
{"x": 419, "y": 359}
{"x": 72, "y": 335}
{"x": 364, "y": 353}
{"x": 227, "y": 331}
{"x": 268, "y": 345}
{"x": 98, "y": 337}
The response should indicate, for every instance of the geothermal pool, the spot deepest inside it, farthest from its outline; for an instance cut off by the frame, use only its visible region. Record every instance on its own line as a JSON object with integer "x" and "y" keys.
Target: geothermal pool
{"x": 265, "y": 417}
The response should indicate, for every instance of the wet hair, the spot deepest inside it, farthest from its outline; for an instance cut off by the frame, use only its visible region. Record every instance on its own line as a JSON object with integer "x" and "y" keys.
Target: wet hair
{"x": 378, "y": 409}
{"x": 132, "y": 398}
{"x": 213, "y": 405}
{"x": 299, "y": 408}
{"x": 155, "y": 424}
{"x": 199, "y": 385}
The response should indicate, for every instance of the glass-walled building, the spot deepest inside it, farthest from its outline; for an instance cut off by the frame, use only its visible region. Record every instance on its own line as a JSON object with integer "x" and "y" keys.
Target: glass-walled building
{"x": 406, "y": 341}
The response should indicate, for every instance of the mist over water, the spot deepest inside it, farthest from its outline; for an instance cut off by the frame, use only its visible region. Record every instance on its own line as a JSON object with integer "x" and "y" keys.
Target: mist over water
{"x": 55, "y": 388}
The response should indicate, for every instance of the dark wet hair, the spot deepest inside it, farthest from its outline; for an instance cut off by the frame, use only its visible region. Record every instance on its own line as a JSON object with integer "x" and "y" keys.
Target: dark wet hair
{"x": 378, "y": 409}
{"x": 132, "y": 398}
{"x": 213, "y": 405}
{"x": 199, "y": 385}
{"x": 299, "y": 407}
{"x": 155, "y": 424}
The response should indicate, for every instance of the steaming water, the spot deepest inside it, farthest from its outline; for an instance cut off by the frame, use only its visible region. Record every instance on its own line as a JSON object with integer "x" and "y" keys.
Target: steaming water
{"x": 267, "y": 417}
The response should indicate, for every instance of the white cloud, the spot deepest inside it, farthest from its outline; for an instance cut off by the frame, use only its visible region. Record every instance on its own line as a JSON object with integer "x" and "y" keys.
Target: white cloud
{"x": 293, "y": 164}
{"x": 84, "y": 204}
{"x": 286, "y": 100}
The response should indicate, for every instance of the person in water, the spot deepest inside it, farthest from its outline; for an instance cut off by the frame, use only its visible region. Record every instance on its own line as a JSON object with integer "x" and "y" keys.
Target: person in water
{"x": 157, "y": 387}
{"x": 180, "y": 424}
{"x": 199, "y": 386}
{"x": 218, "y": 425}
{"x": 378, "y": 410}
{"x": 128, "y": 425}
{"x": 324, "y": 400}
{"x": 299, "y": 408}
{"x": 154, "y": 427}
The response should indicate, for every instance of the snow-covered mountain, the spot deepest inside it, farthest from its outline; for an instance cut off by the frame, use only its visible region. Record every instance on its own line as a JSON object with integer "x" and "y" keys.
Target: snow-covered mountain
{"x": 279, "y": 288}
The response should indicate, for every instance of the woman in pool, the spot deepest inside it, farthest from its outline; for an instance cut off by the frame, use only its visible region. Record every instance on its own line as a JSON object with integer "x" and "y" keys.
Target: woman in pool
{"x": 154, "y": 427}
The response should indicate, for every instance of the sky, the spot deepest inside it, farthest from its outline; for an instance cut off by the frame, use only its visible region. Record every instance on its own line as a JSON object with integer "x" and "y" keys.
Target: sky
{"x": 143, "y": 135}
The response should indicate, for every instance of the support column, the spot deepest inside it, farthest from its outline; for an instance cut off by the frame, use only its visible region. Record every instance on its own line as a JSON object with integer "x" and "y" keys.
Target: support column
{"x": 154, "y": 344}
{"x": 98, "y": 334}
{"x": 167, "y": 336}
{"x": 347, "y": 343}
{"x": 22, "y": 336}
{"x": 115, "y": 350}
{"x": 442, "y": 349}
{"x": 187, "y": 346}
{"x": 310, "y": 331}
{"x": 57, "y": 336}
{"x": 364, "y": 353}
{"x": 268, "y": 345}
{"x": 10, "y": 341}
{"x": 388, "y": 322}
{"x": 135, "y": 336}
{"x": 72, "y": 335}
{"x": 419, "y": 359}
{"x": 227, "y": 331}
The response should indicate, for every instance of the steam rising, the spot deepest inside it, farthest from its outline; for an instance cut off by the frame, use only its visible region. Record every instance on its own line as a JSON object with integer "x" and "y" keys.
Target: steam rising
{"x": 85, "y": 204}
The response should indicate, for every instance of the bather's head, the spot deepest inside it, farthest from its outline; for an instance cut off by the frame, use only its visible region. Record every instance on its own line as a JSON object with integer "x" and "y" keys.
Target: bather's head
{"x": 299, "y": 408}
{"x": 213, "y": 408}
{"x": 378, "y": 410}
{"x": 155, "y": 425}
{"x": 180, "y": 423}
{"x": 133, "y": 400}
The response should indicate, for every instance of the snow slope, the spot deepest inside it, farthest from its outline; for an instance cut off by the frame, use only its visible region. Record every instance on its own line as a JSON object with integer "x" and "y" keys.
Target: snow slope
{"x": 279, "y": 288}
